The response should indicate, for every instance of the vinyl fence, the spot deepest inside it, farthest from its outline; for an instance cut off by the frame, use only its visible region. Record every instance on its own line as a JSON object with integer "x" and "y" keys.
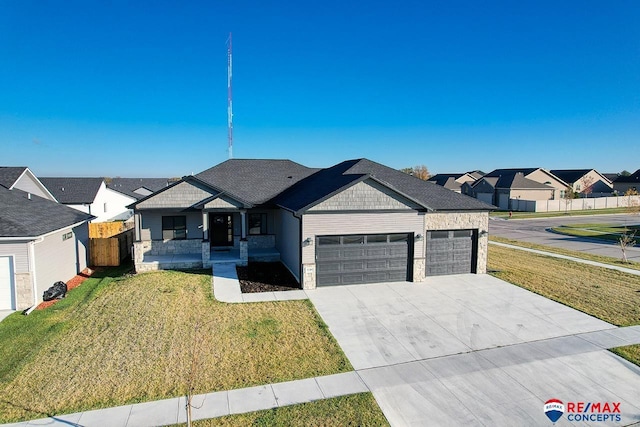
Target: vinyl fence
{"x": 567, "y": 205}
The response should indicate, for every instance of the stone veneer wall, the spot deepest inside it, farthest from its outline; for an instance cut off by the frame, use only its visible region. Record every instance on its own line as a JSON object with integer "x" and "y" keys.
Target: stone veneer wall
{"x": 461, "y": 221}
{"x": 172, "y": 247}
{"x": 419, "y": 269}
{"x": 24, "y": 291}
{"x": 262, "y": 242}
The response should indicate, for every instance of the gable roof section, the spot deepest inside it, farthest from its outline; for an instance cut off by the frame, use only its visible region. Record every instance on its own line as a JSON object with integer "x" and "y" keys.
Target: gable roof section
{"x": 128, "y": 186}
{"x": 10, "y": 174}
{"x": 188, "y": 193}
{"x": 254, "y": 181}
{"x": 24, "y": 217}
{"x": 73, "y": 191}
{"x": 506, "y": 177}
{"x": 570, "y": 176}
{"x": 327, "y": 182}
{"x": 443, "y": 178}
{"x": 518, "y": 181}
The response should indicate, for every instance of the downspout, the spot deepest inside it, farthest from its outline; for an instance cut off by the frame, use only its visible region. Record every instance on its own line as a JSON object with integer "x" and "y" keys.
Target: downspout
{"x": 32, "y": 267}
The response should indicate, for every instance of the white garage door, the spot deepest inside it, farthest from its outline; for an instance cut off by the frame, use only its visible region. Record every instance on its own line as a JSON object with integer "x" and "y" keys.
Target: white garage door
{"x": 6, "y": 283}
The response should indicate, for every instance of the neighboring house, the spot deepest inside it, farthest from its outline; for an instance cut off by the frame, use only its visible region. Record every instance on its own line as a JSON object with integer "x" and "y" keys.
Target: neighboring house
{"x": 90, "y": 195}
{"x": 452, "y": 181}
{"x": 611, "y": 176}
{"x": 624, "y": 183}
{"x": 136, "y": 188}
{"x": 500, "y": 190}
{"x": 21, "y": 178}
{"x": 355, "y": 222}
{"x": 581, "y": 179}
{"x": 41, "y": 242}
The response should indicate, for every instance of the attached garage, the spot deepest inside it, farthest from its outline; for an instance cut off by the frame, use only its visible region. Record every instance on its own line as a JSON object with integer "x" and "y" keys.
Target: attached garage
{"x": 368, "y": 258}
{"x": 451, "y": 252}
{"x": 6, "y": 283}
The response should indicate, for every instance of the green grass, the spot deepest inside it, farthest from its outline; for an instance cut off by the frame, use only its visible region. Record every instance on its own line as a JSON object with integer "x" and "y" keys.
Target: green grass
{"x": 575, "y": 254}
{"x": 607, "y": 294}
{"x": 354, "y": 410}
{"x": 524, "y": 215}
{"x": 122, "y": 339}
{"x": 608, "y": 232}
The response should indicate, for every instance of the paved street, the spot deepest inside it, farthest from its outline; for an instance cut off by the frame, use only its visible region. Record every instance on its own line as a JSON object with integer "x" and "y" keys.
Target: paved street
{"x": 535, "y": 231}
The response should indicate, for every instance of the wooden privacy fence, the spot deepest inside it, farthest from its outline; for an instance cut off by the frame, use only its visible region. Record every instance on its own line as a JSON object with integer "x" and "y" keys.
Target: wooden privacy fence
{"x": 110, "y": 249}
{"x": 108, "y": 229}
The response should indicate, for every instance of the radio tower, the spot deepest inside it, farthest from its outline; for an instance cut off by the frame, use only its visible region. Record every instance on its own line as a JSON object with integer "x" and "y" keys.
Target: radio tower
{"x": 229, "y": 99}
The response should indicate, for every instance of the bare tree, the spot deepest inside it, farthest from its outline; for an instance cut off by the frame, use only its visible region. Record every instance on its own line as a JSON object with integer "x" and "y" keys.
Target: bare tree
{"x": 587, "y": 183}
{"x": 419, "y": 171}
{"x": 625, "y": 241}
{"x": 569, "y": 195}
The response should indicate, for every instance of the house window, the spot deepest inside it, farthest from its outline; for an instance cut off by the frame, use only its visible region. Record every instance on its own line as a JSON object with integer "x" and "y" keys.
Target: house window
{"x": 174, "y": 227}
{"x": 258, "y": 223}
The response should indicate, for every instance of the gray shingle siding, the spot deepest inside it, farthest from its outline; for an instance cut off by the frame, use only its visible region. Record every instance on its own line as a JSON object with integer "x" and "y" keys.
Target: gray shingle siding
{"x": 365, "y": 195}
{"x": 182, "y": 195}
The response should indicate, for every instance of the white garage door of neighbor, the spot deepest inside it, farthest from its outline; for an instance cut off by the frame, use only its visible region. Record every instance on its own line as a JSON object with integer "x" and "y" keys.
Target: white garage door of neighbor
{"x": 6, "y": 283}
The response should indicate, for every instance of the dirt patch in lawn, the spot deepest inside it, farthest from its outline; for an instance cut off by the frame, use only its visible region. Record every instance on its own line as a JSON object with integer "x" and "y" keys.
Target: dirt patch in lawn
{"x": 266, "y": 277}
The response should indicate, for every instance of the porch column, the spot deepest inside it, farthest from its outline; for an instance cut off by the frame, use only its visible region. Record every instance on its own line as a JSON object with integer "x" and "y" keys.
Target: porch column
{"x": 243, "y": 222}
{"x": 205, "y": 226}
{"x": 244, "y": 245}
{"x": 136, "y": 226}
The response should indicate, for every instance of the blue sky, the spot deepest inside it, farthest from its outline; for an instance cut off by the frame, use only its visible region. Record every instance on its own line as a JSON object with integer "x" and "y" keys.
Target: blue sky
{"x": 121, "y": 88}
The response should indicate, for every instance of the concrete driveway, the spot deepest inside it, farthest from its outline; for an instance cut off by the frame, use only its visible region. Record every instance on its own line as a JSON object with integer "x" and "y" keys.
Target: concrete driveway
{"x": 474, "y": 350}
{"x": 535, "y": 231}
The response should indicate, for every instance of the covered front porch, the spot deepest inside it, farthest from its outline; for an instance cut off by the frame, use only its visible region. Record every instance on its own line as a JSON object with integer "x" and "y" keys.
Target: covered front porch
{"x": 226, "y": 236}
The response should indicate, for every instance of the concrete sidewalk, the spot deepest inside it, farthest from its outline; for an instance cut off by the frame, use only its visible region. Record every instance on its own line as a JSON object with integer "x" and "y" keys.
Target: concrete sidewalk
{"x": 211, "y": 405}
{"x": 570, "y": 258}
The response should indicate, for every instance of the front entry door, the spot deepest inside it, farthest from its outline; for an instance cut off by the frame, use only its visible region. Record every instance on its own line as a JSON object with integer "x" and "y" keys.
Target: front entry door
{"x": 221, "y": 229}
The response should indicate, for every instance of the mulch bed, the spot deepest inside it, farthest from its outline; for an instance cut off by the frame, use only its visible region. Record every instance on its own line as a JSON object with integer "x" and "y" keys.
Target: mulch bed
{"x": 73, "y": 283}
{"x": 266, "y": 277}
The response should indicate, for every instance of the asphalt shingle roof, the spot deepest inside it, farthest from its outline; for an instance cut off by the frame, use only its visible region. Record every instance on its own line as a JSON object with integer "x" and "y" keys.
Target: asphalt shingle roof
{"x": 633, "y": 178}
{"x": 73, "y": 191}
{"x": 254, "y": 181}
{"x": 24, "y": 217}
{"x": 570, "y": 175}
{"x": 128, "y": 185}
{"x": 328, "y": 181}
{"x": 10, "y": 174}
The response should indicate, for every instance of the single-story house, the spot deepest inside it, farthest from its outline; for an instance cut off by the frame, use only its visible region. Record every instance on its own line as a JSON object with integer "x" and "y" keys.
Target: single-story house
{"x": 21, "y": 178}
{"x": 41, "y": 242}
{"x": 585, "y": 182}
{"x": 452, "y": 181}
{"x": 355, "y": 222}
{"x": 624, "y": 183}
{"x": 90, "y": 195}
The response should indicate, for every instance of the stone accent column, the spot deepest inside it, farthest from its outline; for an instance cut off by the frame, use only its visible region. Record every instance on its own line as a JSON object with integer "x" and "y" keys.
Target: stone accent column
{"x": 483, "y": 247}
{"x": 308, "y": 276}
{"x": 244, "y": 252}
{"x": 419, "y": 269}
{"x": 206, "y": 254}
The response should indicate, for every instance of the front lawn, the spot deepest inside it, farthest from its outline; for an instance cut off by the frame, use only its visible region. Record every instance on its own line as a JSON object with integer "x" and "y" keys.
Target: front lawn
{"x": 607, "y": 294}
{"x": 568, "y": 252}
{"x": 354, "y": 410}
{"x": 123, "y": 339}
